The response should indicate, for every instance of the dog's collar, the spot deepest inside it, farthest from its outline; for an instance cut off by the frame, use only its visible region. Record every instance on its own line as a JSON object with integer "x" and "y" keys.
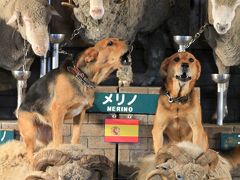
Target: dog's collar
{"x": 81, "y": 76}
{"x": 179, "y": 100}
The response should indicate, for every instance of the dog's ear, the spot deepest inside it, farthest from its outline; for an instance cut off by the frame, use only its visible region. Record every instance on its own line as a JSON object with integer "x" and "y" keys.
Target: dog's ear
{"x": 90, "y": 55}
{"x": 87, "y": 56}
{"x": 198, "y": 69}
{"x": 164, "y": 67}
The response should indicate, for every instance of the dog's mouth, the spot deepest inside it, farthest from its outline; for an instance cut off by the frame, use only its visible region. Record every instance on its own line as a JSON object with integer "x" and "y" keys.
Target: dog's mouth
{"x": 183, "y": 77}
{"x": 125, "y": 59}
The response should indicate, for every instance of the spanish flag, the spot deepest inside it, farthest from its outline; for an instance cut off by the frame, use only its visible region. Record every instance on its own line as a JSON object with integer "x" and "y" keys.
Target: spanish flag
{"x": 121, "y": 130}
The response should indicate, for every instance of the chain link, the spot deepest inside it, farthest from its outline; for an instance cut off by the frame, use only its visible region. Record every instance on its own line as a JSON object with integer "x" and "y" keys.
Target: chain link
{"x": 26, "y": 47}
{"x": 129, "y": 55}
{"x": 61, "y": 51}
{"x": 114, "y": 115}
{"x": 76, "y": 31}
{"x": 197, "y": 35}
{"x": 73, "y": 35}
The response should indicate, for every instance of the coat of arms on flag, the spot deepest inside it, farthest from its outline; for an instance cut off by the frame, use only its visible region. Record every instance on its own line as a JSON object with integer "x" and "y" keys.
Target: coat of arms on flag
{"x": 121, "y": 130}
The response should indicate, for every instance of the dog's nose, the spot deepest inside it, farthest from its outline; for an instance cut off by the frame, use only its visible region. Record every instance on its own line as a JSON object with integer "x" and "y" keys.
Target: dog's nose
{"x": 185, "y": 65}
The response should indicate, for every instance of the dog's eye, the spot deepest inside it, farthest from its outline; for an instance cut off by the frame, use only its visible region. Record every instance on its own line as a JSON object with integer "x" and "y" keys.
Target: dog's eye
{"x": 191, "y": 59}
{"x": 110, "y": 43}
{"x": 177, "y": 59}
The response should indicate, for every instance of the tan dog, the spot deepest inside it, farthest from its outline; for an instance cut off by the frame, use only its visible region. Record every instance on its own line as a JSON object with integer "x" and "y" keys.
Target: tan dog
{"x": 66, "y": 92}
{"x": 179, "y": 113}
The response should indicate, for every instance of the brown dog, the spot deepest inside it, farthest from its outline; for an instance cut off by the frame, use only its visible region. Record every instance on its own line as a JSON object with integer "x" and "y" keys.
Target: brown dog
{"x": 66, "y": 92}
{"x": 179, "y": 112}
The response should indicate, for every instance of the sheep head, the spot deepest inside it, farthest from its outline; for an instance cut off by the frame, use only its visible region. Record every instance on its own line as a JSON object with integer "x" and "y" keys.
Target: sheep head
{"x": 96, "y": 7}
{"x": 174, "y": 163}
{"x": 53, "y": 163}
{"x": 31, "y": 19}
{"x": 50, "y": 157}
{"x": 199, "y": 168}
{"x": 222, "y": 14}
{"x": 97, "y": 163}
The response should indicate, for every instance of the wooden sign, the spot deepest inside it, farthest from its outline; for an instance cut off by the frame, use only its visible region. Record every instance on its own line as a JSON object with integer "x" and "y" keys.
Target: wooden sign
{"x": 121, "y": 130}
{"x": 6, "y": 135}
{"x": 127, "y": 103}
{"x": 229, "y": 141}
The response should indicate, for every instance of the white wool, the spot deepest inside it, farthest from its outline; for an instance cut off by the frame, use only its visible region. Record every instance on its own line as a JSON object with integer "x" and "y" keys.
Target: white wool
{"x": 222, "y": 170}
{"x": 226, "y": 46}
{"x": 190, "y": 148}
{"x": 14, "y": 163}
{"x": 147, "y": 164}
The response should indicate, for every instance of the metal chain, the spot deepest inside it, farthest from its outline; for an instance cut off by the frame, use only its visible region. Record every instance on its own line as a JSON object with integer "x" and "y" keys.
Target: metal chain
{"x": 61, "y": 51}
{"x": 129, "y": 55}
{"x": 76, "y": 31}
{"x": 26, "y": 47}
{"x": 197, "y": 35}
{"x": 114, "y": 115}
{"x": 74, "y": 34}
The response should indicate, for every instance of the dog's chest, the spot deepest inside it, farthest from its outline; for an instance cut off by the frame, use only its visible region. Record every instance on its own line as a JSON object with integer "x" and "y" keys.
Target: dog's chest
{"x": 177, "y": 111}
{"x": 77, "y": 109}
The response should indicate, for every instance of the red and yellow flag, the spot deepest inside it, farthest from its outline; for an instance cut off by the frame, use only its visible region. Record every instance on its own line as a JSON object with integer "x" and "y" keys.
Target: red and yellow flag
{"x": 121, "y": 130}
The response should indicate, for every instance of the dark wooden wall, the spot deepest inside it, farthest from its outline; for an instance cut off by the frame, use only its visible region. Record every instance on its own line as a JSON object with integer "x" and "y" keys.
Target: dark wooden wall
{"x": 8, "y": 99}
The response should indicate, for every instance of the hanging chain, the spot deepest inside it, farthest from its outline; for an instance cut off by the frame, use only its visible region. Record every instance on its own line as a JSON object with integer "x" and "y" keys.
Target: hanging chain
{"x": 130, "y": 52}
{"x": 61, "y": 51}
{"x": 197, "y": 35}
{"x": 76, "y": 31}
{"x": 74, "y": 34}
{"x": 26, "y": 47}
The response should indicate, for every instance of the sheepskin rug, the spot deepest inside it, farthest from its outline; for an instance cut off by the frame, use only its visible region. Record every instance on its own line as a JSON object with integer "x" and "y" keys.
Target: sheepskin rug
{"x": 14, "y": 164}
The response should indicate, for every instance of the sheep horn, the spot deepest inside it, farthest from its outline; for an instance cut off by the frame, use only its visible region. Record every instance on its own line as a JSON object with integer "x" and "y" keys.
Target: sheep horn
{"x": 50, "y": 157}
{"x": 173, "y": 152}
{"x": 97, "y": 162}
{"x": 118, "y": 1}
{"x": 39, "y": 175}
{"x": 209, "y": 157}
{"x": 153, "y": 173}
{"x": 70, "y": 4}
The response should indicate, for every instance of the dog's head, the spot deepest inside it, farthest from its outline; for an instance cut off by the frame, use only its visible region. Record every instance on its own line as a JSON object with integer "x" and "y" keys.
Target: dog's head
{"x": 109, "y": 52}
{"x": 182, "y": 66}
{"x": 107, "y": 55}
{"x": 99, "y": 61}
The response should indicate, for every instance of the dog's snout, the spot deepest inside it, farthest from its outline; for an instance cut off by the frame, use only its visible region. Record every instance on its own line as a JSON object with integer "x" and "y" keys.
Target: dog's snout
{"x": 185, "y": 65}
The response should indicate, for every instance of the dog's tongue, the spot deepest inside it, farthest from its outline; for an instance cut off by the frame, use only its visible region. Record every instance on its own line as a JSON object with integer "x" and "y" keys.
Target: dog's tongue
{"x": 184, "y": 75}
